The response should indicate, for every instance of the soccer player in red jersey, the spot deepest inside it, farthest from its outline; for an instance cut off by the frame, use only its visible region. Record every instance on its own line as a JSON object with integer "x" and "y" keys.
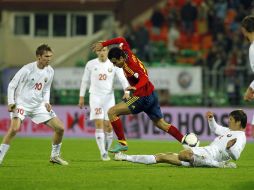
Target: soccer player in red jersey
{"x": 143, "y": 99}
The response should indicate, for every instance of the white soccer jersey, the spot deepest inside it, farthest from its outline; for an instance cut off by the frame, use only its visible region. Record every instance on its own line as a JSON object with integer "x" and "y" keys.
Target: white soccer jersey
{"x": 218, "y": 147}
{"x": 101, "y": 77}
{"x": 251, "y": 59}
{"x": 30, "y": 86}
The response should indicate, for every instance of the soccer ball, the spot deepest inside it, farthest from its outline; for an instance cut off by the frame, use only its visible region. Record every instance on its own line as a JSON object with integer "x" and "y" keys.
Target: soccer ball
{"x": 191, "y": 140}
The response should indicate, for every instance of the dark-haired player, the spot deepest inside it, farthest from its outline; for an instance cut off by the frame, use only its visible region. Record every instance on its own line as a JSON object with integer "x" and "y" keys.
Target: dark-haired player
{"x": 228, "y": 144}
{"x": 143, "y": 99}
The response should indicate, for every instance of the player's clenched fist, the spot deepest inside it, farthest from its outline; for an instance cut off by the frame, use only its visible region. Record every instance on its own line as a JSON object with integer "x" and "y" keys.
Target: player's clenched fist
{"x": 209, "y": 115}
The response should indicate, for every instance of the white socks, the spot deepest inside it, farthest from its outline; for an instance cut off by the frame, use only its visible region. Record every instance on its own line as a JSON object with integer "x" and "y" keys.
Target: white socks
{"x": 3, "y": 150}
{"x": 187, "y": 164}
{"x": 143, "y": 159}
{"x": 146, "y": 159}
{"x": 100, "y": 140}
{"x": 108, "y": 140}
{"x": 56, "y": 149}
{"x": 103, "y": 140}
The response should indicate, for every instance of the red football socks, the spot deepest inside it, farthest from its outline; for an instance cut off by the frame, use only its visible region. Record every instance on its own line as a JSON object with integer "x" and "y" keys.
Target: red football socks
{"x": 172, "y": 130}
{"x": 119, "y": 131}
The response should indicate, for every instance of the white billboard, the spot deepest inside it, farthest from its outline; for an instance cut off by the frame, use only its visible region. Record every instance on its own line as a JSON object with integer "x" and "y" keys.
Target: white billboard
{"x": 177, "y": 80}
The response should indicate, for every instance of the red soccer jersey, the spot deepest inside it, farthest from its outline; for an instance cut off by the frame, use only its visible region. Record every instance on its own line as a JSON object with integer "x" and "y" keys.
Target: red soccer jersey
{"x": 134, "y": 69}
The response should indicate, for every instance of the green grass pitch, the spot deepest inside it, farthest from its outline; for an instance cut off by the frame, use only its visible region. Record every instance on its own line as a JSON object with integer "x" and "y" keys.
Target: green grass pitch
{"x": 26, "y": 166}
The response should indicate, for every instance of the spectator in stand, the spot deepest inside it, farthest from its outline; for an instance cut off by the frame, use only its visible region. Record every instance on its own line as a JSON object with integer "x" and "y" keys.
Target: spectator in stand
{"x": 247, "y": 3}
{"x": 203, "y": 18}
{"x": 220, "y": 8}
{"x": 144, "y": 50}
{"x": 189, "y": 15}
{"x": 158, "y": 20}
{"x": 173, "y": 36}
{"x": 211, "y": 57}
{"x": 172, "y": 15}
{"x": 232, "y": 77}
{"x": 130, "y": 37}
{"x": 224, "y": 42}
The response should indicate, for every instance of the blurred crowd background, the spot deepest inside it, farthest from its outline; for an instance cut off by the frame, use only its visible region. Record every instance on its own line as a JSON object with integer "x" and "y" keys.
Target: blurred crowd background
{"x": 164, "y": 34}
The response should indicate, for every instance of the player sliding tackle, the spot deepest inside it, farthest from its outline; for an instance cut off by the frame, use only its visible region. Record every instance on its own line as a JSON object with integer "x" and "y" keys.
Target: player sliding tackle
{"x": 228, "y": 144}
{"x": 144, "y": 98}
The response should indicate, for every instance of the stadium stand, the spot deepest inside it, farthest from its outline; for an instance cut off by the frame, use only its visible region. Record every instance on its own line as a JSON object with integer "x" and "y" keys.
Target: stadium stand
{"x": 216, "y": 34}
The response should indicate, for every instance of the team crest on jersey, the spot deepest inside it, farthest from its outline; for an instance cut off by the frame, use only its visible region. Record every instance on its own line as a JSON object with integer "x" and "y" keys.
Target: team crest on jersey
{"x": 229, "y": 135}
{"x": 110, "y": 70}
{"x": 45, "y": 80}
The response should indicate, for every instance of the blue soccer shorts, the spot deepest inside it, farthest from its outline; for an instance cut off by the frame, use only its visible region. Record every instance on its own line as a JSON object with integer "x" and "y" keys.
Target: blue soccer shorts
{"x": 148, "y": 104}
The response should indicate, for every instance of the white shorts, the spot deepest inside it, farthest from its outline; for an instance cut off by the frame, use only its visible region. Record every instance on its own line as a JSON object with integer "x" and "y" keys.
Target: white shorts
{"x": 38, "y": 115}
{"x": 99, "y": 105}
{"x": 202, "y": 151}
{"x": 207, "y": 154}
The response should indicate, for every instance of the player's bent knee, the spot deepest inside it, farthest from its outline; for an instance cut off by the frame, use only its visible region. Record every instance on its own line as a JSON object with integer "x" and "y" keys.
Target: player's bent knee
{"x": 159, "y": 157}
{"x": 161, "y": 123}
{"x": 59, "y": 129}
{"x": 111, "y": 111}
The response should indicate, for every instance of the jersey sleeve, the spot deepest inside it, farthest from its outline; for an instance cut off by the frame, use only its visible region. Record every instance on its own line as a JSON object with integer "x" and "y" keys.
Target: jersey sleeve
{"x": 122, "y": 78}
{"x": 85, "y": 80}
{"x": 216, "y": 128}
{"x": 120, "y": 40}
{"x": 236, "y": 150}
{"x": 46, "y": 89}
{"x": 19, "y": 77}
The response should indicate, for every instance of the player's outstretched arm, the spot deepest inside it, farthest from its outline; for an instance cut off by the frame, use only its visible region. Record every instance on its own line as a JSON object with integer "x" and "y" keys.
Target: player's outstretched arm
{"x": 213, "y": 125}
